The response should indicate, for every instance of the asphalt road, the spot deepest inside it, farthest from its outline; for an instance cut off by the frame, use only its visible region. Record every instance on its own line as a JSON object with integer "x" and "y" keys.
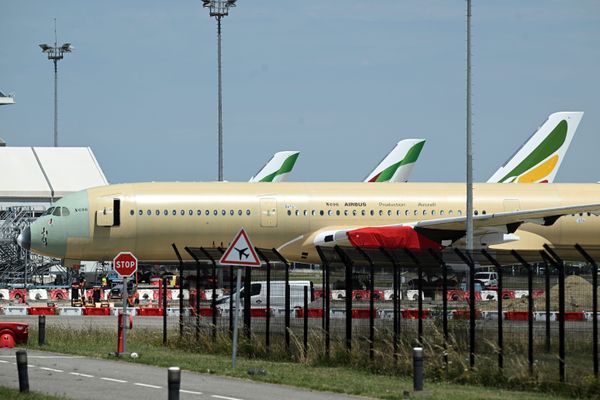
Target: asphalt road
{"x": 92, "y": 379}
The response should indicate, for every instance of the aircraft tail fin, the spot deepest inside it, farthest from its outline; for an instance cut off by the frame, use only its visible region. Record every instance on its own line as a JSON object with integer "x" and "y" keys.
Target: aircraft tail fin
{"x": 398, "y": 164}
{"x": 277, "y": 168}
{"x": 539, "y": 159}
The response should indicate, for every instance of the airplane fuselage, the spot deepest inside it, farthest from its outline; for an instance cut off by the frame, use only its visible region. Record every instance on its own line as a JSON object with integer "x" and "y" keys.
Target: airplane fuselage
{"x": 146, "y": 218}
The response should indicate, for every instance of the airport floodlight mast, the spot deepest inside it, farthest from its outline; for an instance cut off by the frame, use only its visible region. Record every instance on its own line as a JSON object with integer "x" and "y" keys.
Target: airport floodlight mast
{"x": 54, "y": 54}
{"x": 219, "y": 9}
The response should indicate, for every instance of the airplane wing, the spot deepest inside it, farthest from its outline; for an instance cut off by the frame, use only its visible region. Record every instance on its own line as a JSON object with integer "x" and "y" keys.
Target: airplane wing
{"x": 438, "y": 232}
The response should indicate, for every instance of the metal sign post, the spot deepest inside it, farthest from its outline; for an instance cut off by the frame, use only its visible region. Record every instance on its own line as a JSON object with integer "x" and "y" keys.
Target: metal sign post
{"x": 240, "y": 253}
{"x": 124, "y": 318}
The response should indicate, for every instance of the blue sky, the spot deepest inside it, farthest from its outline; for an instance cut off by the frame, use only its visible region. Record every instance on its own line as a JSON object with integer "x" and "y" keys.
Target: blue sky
{"x": 340, "y": 80}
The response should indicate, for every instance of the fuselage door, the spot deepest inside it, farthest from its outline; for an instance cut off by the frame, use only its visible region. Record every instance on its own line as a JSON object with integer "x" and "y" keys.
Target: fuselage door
{"x": 268, "y": 212}
{"x": 108, "y": 212}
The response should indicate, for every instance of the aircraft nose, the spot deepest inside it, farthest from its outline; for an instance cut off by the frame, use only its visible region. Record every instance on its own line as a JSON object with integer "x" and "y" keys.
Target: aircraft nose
{"x": 24, "y": 239}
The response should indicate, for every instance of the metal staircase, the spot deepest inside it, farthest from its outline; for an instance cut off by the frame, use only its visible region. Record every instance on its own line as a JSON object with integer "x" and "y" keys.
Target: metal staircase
{"x": 16, "y": 265}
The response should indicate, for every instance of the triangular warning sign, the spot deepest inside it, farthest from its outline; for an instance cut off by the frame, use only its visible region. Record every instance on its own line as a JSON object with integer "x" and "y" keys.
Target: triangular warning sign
{"x": 240, "y": 251}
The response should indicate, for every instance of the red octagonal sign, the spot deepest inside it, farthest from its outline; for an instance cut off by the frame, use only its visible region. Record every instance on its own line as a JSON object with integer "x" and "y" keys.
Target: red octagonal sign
{"x": 125, "y": 264}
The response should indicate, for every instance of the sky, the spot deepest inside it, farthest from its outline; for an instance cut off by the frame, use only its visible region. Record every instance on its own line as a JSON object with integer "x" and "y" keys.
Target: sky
{"x": 341, "y": 81}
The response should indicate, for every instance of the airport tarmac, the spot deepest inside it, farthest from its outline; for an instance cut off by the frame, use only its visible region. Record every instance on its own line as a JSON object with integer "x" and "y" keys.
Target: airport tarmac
{"x": 93, "y": 379}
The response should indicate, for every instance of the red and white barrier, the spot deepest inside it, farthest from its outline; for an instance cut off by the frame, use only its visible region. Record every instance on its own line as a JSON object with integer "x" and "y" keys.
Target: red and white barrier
{"x": 4, "y": 295}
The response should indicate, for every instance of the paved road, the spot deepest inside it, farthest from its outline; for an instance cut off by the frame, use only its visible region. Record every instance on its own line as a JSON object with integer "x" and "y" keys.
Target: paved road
{"x": 92, "y": 379}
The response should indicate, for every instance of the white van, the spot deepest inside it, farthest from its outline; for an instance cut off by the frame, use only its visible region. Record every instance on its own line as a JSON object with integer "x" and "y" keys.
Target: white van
{"x": 258, "y": 294}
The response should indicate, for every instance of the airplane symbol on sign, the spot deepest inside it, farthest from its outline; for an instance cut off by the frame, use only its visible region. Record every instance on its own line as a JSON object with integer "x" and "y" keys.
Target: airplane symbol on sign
{"x": 242, "y": 252}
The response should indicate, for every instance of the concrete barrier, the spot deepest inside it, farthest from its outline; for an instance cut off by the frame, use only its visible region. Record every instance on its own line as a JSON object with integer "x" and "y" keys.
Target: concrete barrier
{"x": 175, "y": 294}
{"x": 489, "y": 295}
{"x": 70, "y": 311}
{"x": 4, "y": 295}
{"x": 37, "y": 294}
{"x": 146, "y": 294}
{"x": 413, "y": 295}
{"x": 10, "y": 310}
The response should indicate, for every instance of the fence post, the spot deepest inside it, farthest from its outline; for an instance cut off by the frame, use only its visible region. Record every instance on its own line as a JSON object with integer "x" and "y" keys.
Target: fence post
{"x": 467, "y": 259}
{"x": 180, "y": 289}
{"x": 197, "y": 300}
{"x": 268, "y": 305}
{"x": 348, "y": 285}
{"x": 213, "y": 303}
{"x": 561, "y": 309}
{"x": 500, "y": 310}
{"x": 231, "y": 288}
{"x": 415, "y": 260}
{"x": 440, "y": 261}
{"x": 529, "y": 308}
{"x": 396, "y": 301}
{"x": 547, "y": 304}
{"x": 371, "y": 303}
{"x": 305, "y": 341}
{"x": 164, "y": 303}
{"x": 326, "y": 301}
{"x": 594, "y": 306}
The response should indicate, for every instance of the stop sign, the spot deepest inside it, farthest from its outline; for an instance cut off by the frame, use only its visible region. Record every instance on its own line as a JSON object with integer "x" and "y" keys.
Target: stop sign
{"x": 125, "y": 264}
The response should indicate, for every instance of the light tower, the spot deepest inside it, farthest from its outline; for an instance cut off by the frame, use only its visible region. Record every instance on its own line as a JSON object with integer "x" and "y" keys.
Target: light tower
{"x": 219, "y": 9}
{"x": 54, "y": 54}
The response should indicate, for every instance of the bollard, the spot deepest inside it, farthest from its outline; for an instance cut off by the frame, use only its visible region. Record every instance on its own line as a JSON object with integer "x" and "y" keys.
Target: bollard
{"x": 417, "y": 369}
{"x": 174, "y": 378}
{"x": 42, "y": 330}
{"x": 22, "y": 370}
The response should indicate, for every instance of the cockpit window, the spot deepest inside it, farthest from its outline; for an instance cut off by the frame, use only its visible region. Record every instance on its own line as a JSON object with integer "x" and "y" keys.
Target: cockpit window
{"x": 65, "y": 211}
{"x": 56, "y": 212}
{"x": 49, "y": 211}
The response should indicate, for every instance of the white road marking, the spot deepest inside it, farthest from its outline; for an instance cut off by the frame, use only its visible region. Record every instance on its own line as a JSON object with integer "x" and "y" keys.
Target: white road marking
{"x": 80, "y": 374}
{"x": 190, "y": 392}
{"x": 3, "y": 361}
{"x": 148, "y": 386}
{"x": 43, "y": 357}
{"x": 51, "y": 369}
{"x": 114, "y": 380}
{"x": 30, "y": 366}
{"x": 216, "y": 396}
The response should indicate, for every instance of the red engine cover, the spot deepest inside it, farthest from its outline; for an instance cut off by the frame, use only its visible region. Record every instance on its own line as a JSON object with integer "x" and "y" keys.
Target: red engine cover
{"x": 391, "y": 237}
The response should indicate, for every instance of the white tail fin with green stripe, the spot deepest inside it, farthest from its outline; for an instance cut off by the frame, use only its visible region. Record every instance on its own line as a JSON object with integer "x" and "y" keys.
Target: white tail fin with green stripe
{"x": 277, "y": 168}
{"x": 399, "y": 162}
{"x": 538, "y": 160}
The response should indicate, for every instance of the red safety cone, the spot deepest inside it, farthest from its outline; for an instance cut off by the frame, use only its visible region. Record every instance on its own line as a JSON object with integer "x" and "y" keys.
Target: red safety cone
{"x": 7, "y": 340}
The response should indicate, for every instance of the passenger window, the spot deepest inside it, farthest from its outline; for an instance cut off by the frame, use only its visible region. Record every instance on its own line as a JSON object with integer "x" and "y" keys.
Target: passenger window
{"x": 346, "y": 213}
{"x": 166, "y": 212}
{"x": 289, "y": 212}
{"x": 424, "y": 212}
{"x": 305, "y": 213}
{"x": 157, "y": 213}
{"x": 131, "y": 212}
{"x": 329, "y": 212}
{"x": 337, "y": 213}
{"x": 239, "y": 212}
{"x": 441, "y": 212}
{"x": 476, "y": 212}
{"x": 215, "y": 212}
{"x": 363, "y": 212}
{"x": 248, "y": 212}
{"x": 354, "y": 213}
{"x": 223, "y": 212}
{"x": 450, "y": 212}
{"x": 372, "y": 212}
{"x": 140, "y": 212}
{"x": 459, "y": 212}
{"x": 321, "y": 212}
{"x": 182, "y": 212}
{"x": 389, "y": 213}
{"x": 174, "y": 212}
{"x": 484, "y": 212}
{"x": 207, "y": 213}
{"x": 231, "y": 212}
{"x": 56, "y": 212}
{"x": 297, "y": 212}
{"x": 380, "y": 213}
{"x": 416, "y": 212}
{"x": 149, "y": 212}
{"x": 199, "y": 212}
{"x": 432, "y": 212}
{"x": 191, "y": 212}
{"x": 406, "y": 213}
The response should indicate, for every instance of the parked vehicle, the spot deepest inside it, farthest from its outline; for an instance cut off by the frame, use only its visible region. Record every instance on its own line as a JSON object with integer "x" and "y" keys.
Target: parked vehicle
{"x": 487, "y": 278}
{"x": 258, "y": 294}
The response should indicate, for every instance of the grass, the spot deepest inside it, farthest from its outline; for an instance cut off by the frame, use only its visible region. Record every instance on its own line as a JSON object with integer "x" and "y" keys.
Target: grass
{"x": 346, "y": 372}
{"x": 14, "y": 394}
